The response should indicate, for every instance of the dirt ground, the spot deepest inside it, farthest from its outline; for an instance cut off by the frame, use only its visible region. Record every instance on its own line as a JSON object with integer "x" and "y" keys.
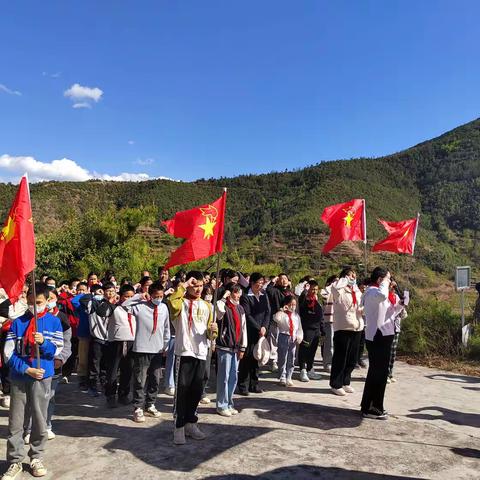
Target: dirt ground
{"x": 285, "y": 433}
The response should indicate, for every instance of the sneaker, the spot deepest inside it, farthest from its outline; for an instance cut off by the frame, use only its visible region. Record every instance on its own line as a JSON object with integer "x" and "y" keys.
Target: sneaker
{"x": 179, "y": 436}
{"x": 389, "y": 380}
{"x": 339, "y": 391}
{"x": 349, "y": 389}
{"x": 327, "y": 368}
{"x": 313, "y": 375}
{"x": 112, "y": 402}
{"x": 170, "y": 391}
{"x": 205, "y": 401}
{"x": 14, "y": 470}
{"x": 393, "y": 379}
{"x": 64, "y": 380}
{"x": 274, "y": 366}
{"x": 282, "y": 382}
{"x": 192, "y": 430}
{"x": 255, "y": 390}
{"x": 362, "y": 363}
{"x": 83, "y": 387}
{"x": 289, "y": 382}
{"x": 304, "y": 376}
{"x": 375, "y": 414}
{"x": 50, "y": 434}
{"x": 26, "y": 439}
{"x": 224, "y": 412}
{"x": 233, "y": 411}
{"x": 5, "y": 402}
{"x": 38, "y": 468}
{"x": 243, "y": 393}
{"x": 138, "y": 416}
{"x": 151, "y": 411}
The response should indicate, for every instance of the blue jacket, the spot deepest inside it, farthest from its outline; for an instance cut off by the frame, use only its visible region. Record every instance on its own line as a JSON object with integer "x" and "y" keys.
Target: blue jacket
{"x": 83, "y": 330}
{"x": 18, "y": 355}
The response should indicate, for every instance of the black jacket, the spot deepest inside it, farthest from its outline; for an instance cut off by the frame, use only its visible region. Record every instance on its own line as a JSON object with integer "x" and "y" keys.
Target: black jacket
{"x": 276, "y": 295}
{"x": 257, "y": 313}
{"x": 226, "y": 339}
{"x": 312, "y": 318}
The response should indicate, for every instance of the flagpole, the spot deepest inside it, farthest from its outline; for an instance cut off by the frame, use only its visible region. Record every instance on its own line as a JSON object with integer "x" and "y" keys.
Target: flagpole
{"x": 415, "y": 234}
{"x": 365, "y": 260}
{"x": 35, "y": 317}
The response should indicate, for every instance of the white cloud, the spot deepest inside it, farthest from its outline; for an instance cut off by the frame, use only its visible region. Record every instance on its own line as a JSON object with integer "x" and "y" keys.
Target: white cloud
{"x": 81, "y": 105}
{"x": 144, "y": 161}
{"x": 82, "y": 96}
{"x": 5, "y": 89}
{"x": 12, "y": 168}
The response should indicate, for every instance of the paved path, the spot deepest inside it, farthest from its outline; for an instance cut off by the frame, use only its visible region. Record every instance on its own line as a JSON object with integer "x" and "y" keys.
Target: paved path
{"x": 300, "y": 432}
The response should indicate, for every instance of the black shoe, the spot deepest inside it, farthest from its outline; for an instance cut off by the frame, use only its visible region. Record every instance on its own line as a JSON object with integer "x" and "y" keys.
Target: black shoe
{"x": 112, "y": 402}
{"x": 244, "y": 393}
{"x": 375, "y": 414}
{"x": 255, "y": 390}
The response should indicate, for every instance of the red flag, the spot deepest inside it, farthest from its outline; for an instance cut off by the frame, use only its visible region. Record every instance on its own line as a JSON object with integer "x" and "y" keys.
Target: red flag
{"x": 202, "y": 227}
{"x": 346, "y": 222}
{"x": 401, "y": 238}
{"x": 17, "y": 244}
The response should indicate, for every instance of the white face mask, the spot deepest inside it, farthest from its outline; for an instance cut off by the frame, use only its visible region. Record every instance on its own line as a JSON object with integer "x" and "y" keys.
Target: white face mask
{"x": 51, "y": 305}
{"x": 40, "y": 309}
{"x": 98, "y": 297}
{"x": 352, "y": 281}
{"x": 208, "y": 298}
{"x": 157, "y": 301}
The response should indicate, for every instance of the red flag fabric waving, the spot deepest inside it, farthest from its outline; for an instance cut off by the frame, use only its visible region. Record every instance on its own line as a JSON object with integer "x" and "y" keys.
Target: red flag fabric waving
{"x": 17, "y": 244}
{"x": 346, "y": 222}
{"x": 202, "y": 227}
{"x": 401, "y": 238}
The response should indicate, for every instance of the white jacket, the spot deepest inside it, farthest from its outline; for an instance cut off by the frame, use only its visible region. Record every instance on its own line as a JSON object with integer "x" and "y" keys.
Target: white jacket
{"x": 346, "y": 314}
{"x": 283, "y": 322}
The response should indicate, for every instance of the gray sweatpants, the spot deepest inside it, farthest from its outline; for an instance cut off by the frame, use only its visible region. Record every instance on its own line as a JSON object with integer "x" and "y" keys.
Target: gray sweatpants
{"x": 328, "y": 345}
{"x": 29, "y": 396}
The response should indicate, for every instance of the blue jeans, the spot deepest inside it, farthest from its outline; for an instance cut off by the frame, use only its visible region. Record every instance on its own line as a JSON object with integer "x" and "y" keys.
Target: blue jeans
{"x": 227, "y": 376}
{"x": 169, "y": 367}
{"x": 286, "y": 355}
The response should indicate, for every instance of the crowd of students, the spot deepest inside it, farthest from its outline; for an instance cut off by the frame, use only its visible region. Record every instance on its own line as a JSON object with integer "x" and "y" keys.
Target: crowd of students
{"x": 130, "y": 341}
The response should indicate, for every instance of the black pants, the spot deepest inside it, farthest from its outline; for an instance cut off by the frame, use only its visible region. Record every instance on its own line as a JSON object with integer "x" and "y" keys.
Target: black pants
{"x": 248, "y": 370}
{"x": 345, "y": 353}
{"x": 189, "y": 373}
{"x": 4, "y": 369}
{"x": 119, "y": 357}
{"x": 154, "y": 376}
{"x": 379, "y": 351}
{"x": 308, "y": 349}
{"x": 361, "y": 346}
{"x": 70, "y": 365}
{"x": 96, "y": 363}
{"x": 143, "y": 397}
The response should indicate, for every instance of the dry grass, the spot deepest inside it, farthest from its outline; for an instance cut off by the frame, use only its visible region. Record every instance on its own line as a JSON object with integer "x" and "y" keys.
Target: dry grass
{"x": 464, "y": 367}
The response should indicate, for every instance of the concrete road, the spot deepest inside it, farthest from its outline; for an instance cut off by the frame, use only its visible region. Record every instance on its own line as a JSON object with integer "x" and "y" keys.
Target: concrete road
{"x": 285, "y": 433}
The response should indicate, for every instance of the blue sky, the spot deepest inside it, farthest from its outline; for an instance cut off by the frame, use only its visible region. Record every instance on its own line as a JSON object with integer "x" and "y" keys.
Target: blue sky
{"x": 189, "y": 89}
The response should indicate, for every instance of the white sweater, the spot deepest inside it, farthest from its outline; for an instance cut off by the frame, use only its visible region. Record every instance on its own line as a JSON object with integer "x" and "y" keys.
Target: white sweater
{"x": 346, "y": 315}
{"x": 283, "y": 322}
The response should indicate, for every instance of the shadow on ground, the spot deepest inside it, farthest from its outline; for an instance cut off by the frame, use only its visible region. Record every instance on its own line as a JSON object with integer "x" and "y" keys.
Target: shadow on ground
{"x": 453, "y": 416}
{"x": 450, "y": 377}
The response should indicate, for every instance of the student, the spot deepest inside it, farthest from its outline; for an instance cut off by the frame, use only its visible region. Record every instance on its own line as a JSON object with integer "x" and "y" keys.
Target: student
{"x": 230, "y": 347}
{"x": 311, "y": 315}
{"x": 399, "y": 313}
{"x": 362, "y": 286}
{"x": 379, "y": 334}
{"x": 164, "y": 279}
{"x": 290, "y": 334}
{"x": 30, "y": 383}
{"x": 193, "y": 321}
{"x": 348, "y": 326}
{"x": 327, "y": 347}
{"x": 121, "y": 329}
{"x": 145, "y": 283}
{"x": 207, "y": 295}
{"x": 151, "y": 338}
{"x": 92, "y": 279}
{"x": 258, "y": 315}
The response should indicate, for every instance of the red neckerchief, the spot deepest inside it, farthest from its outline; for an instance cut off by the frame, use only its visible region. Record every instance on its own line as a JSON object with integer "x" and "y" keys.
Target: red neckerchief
{"x": 155, "y": 319}
{"x": 392, "y": 297}
{"x": 290, "y": 321}
{"x": 55, "y": 311}
{"x": 354, "y": 295}
{"x": 236, "y": 318}
{"x": 29, "y": 335}
{"x": 190, "y": 314}
{"x": 130, "y": 322}
{"x": 311, "y": 301}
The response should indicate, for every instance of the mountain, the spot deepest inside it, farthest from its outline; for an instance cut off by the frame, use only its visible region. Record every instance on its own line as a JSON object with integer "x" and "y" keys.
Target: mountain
{"x": 274, "y": 218}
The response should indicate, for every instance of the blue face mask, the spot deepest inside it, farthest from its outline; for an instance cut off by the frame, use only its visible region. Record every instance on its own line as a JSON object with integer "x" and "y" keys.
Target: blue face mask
{"x": 98, "y": 297}
{"x": 157, "y": 301}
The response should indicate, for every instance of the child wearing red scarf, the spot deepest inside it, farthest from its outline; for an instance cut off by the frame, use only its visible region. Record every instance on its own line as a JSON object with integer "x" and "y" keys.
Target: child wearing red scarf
{"x": 290, "y": 334}
{"x": 230, "y": 346}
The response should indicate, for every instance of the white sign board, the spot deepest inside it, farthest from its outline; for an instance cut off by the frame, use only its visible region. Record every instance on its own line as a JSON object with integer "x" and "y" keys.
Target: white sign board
{"x": 462, "y": 278}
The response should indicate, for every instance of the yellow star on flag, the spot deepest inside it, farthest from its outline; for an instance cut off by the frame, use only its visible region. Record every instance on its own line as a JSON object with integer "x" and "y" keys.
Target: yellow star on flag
{"x": 406, "y": 233}
{"x": 348, "y": 219}
{"x": 208, "y": 227}
{"x": 8, "y": 230}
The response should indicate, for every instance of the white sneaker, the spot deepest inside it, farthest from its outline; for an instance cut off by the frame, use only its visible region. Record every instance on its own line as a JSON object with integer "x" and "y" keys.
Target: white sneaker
{"x": 289, "y": 382}
{"x": 389, "y": 380}
{"x": 138, "y": 416}
{"x": 50, "y": 434}
{"x": 26, "y": 439}
{"x": 192, "y": 430}
{"x": 170, "y": 392}
{"x": 393, "y": 379}
{"x": 349, "y": 389}
{"x": 274, "y": 366}
{"x": 179, "y": 436}
{"x": 14, "y": 471}
{"x": 64, "y": 380}
{"x": 151, "y": 411}
{"x": 224, "y": 412}
{"x": 205, "y": 401}
{"x": 5, "y": 402}
{"x": 339, "y": 391}
{"x": 282, "y": 382}
{"x": 304, "y": 376}
{"x": 38, "y": 468}
{"x": 313, "y": 375}
{"x": 233, "y": 411}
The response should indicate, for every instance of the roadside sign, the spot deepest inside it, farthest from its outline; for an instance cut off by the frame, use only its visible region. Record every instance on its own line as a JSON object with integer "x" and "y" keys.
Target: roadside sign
{"x": 462, "y": 278}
